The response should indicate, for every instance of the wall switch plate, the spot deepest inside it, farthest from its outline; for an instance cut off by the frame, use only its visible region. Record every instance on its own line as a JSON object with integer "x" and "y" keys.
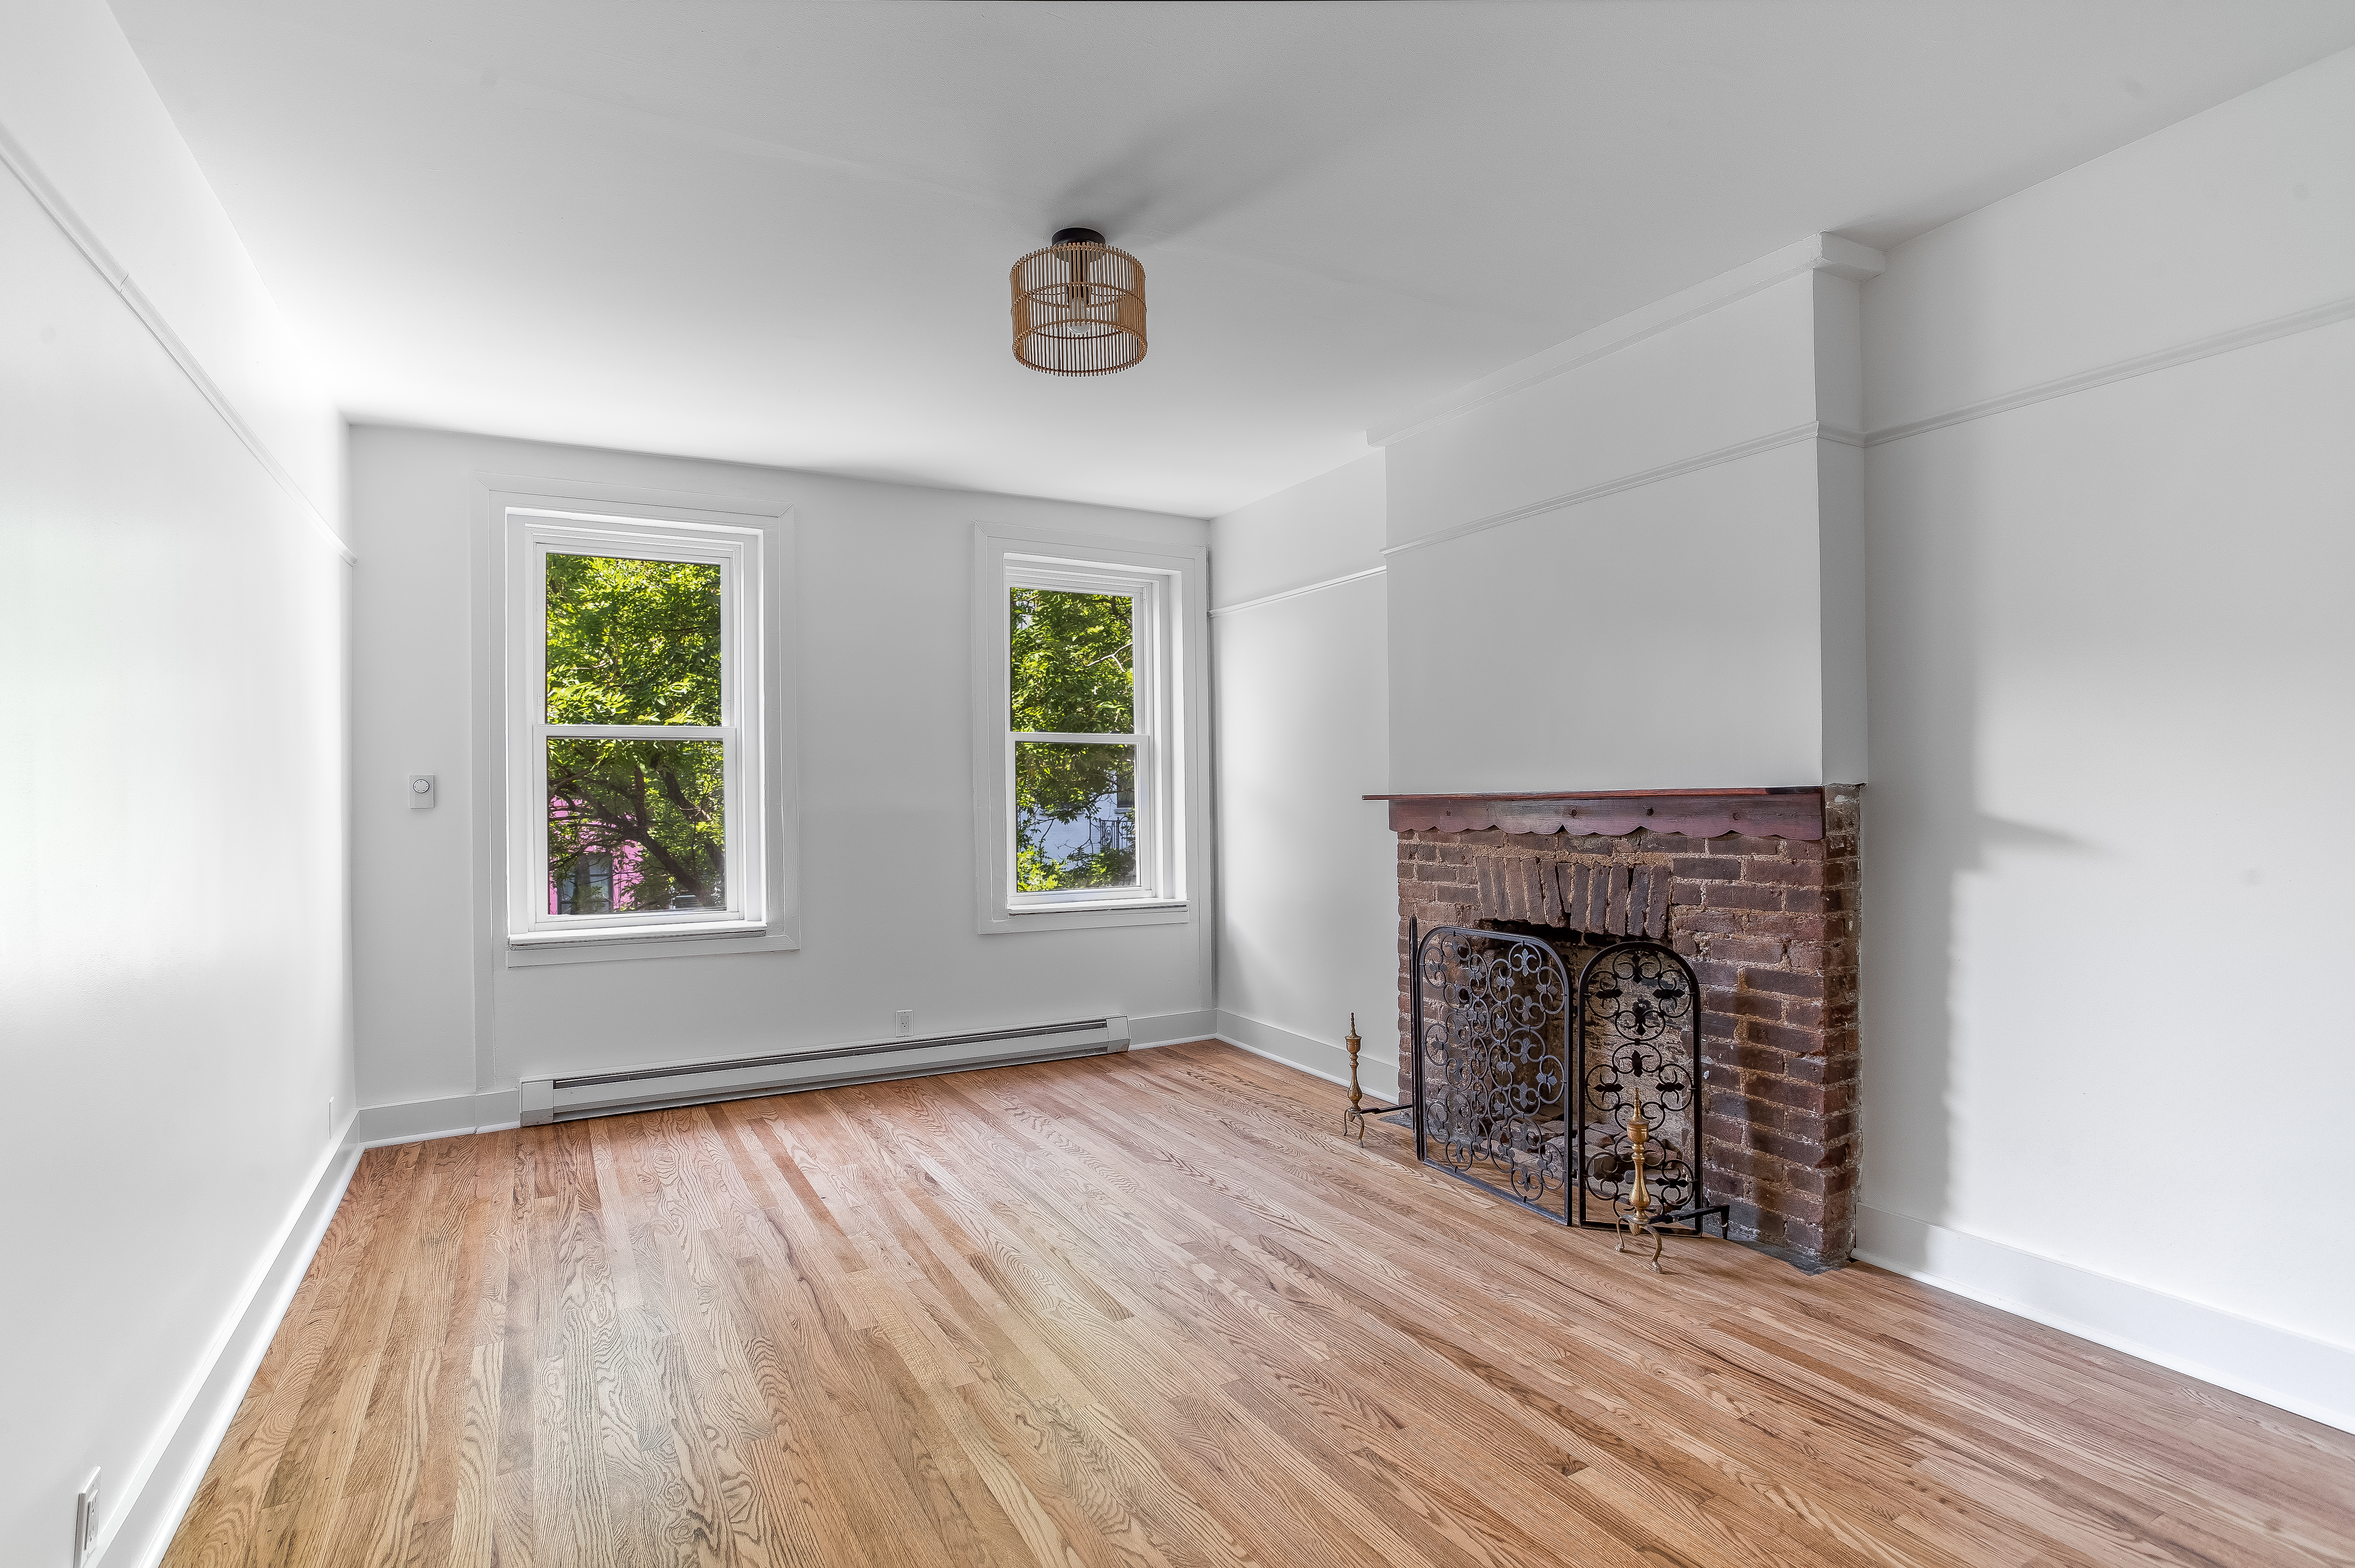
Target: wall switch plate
{"x": 420, "y": 791}
{"x": 86, "y": 1523}
{"x": 904, "y": 1020}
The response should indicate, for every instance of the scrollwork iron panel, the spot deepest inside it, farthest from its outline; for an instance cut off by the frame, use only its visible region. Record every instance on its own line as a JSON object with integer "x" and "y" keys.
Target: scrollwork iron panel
{"x": 1492, "y": 1070}
{"x": 1524, "y": 1082}
{"x": 1638, "y": 1042}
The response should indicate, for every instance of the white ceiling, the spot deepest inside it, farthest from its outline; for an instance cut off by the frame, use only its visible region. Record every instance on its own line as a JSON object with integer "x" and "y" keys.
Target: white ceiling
{"x": 780, "y": 232}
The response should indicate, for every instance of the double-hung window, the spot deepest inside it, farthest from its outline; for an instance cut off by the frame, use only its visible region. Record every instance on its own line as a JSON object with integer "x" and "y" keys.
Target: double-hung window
{"x": 1085, "y": 762}
{"x": 634, "y": 763}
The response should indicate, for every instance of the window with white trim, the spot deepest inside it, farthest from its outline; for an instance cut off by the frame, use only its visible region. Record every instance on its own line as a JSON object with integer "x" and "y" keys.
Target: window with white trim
{"x": 634, "y": 702}
{"x": 1086, "y": 815}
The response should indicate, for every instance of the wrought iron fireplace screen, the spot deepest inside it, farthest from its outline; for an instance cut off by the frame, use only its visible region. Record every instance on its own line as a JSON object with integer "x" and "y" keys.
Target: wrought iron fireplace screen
{"x": 1525, "y": 1083}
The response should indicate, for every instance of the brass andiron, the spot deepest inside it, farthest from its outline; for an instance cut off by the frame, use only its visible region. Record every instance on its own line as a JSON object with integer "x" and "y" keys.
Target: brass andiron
{"x": 1636, "y": 1217}
{"x": 1354, "y": 1119}
{"x": 1354, "y": 1114}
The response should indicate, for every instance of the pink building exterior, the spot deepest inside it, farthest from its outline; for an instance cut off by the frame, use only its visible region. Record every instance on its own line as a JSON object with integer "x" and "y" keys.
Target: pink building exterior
{"x": 601, "y": 874}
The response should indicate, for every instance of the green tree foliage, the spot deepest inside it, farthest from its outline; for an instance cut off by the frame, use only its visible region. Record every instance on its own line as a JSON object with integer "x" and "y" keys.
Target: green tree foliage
{"x": 1074, "y": 658}
{"x": 632, "y": 641}
{"x": 1074, "y": 662}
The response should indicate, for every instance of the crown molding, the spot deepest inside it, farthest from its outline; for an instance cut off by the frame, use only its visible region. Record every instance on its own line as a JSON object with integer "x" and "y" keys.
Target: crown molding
{"x": 1817, "y": 253}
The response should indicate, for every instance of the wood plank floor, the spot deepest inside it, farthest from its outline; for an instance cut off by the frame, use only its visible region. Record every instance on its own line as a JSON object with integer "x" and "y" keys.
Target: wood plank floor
{"x": 1152, "y": 1309}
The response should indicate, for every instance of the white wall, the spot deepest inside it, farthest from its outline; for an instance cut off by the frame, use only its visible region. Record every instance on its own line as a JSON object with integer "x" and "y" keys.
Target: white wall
{"x": 1307, "y": 890}
{"x": 173, "y": 943}
{"x": 1680, "y": 505}
{"x": 886, "y": 804}
{"x": 2113, "y": 728}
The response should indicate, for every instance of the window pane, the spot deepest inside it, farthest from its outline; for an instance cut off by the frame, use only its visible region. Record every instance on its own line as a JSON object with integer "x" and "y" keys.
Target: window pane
{"x": 635, "y": 825}
{"x": 1074, "y": 816}
{"x": 632, "y": 641}
{"x": 1074, "y": 663}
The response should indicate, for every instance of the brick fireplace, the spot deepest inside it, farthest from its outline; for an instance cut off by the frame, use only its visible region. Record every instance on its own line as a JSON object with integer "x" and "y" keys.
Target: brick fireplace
{"x": 1758, "y": 890}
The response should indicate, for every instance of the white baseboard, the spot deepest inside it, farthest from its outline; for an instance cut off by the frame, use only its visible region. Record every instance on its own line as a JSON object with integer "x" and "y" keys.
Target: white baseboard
{"x": 416, "y": 1120}
{"x": 1377, "y": 1075}
{"x": 1171, "y": 1029}
{"x": 158, "y": 1493}
{"x": 2309, "y": 1377}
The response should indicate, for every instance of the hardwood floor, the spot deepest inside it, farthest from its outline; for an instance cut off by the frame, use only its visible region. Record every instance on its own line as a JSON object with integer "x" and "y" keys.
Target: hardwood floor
{"x": 1152, "y": 1309}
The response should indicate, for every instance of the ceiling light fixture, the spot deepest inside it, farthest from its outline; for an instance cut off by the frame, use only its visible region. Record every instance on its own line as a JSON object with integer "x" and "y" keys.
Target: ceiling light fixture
{"x": 1079, "y": 306}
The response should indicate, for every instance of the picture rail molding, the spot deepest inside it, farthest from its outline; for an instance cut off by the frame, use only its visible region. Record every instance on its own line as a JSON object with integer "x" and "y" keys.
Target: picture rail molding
{"x": 1280, "y": 596}
{"x": 2325, "y": 315}
{"x": 1812, "y": 430}
{"x": 70, "y": 223}
{"x": 2328, "y": 313}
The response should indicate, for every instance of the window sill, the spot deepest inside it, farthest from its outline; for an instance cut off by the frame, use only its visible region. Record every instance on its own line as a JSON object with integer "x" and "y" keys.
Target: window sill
{"x": 687, "y": 930}
{"x": 703, "y": 940}
{"x": 1081, "y": 917}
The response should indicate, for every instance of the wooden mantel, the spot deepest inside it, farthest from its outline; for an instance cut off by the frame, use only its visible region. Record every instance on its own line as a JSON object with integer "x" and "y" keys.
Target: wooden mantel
{"x": 1794, "y": 811}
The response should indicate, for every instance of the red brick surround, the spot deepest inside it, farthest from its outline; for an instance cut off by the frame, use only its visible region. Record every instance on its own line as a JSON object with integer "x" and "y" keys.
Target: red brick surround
{"x": 1771, "y": 926}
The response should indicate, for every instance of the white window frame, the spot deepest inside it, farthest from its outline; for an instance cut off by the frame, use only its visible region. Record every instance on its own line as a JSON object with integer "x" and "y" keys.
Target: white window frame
{"x": 1165, "y": 586}
{"x": 751, "y": 541}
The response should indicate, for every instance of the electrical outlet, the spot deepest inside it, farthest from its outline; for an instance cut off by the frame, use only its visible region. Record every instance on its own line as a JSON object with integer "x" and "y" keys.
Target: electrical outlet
{"x": 86, "y": 1523}
{"x": 904, "y": 1020}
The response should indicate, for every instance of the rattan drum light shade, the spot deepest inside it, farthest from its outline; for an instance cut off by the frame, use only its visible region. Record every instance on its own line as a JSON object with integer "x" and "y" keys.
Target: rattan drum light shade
{"x": 1078, "y": 307}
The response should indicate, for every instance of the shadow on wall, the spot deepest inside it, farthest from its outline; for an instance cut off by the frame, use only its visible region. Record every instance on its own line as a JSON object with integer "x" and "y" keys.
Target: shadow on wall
{"x": 1923, "y": 835}
{"x": 2002, "y": 833}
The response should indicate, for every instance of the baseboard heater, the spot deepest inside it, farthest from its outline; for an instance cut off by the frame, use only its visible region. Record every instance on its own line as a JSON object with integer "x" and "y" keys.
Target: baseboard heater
{"x": 695, "y": 1083}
